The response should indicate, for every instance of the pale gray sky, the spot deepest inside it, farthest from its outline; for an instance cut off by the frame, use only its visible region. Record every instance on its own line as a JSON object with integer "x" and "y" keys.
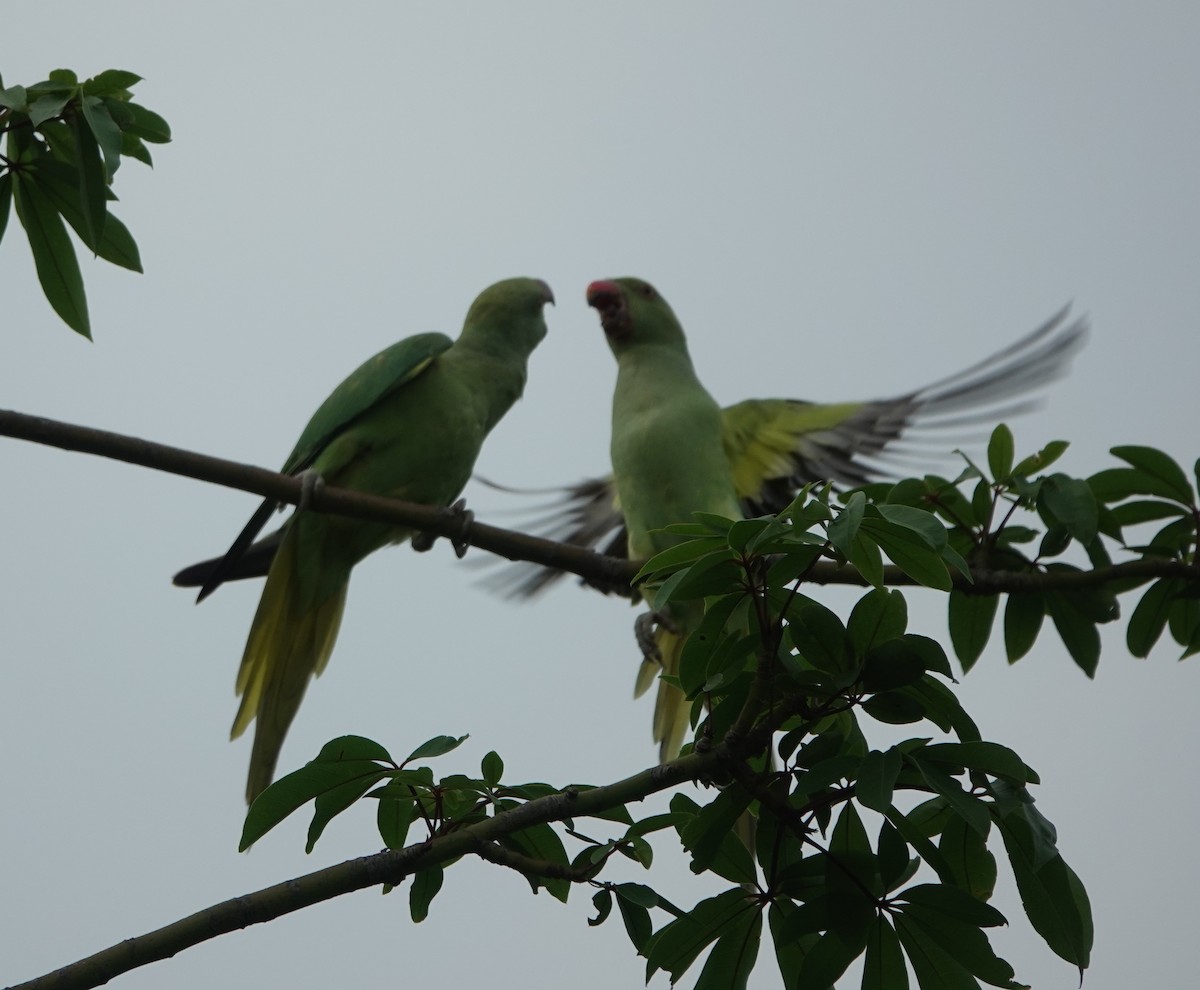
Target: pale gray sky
{"x": 841, "y": 202}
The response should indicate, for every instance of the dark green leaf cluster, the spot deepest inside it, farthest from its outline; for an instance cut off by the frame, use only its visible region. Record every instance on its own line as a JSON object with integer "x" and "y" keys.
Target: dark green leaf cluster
{"x": 1093, "y": 514}
{"x": 64, "y": 143}
{"x": 836, "y": 849}
{"x": 771, "y": 663}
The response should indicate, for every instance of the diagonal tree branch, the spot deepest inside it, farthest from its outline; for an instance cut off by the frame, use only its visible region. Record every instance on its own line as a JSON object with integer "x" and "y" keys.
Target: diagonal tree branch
{"x": 390, "y": 867}
{"x": 607, "y": 572}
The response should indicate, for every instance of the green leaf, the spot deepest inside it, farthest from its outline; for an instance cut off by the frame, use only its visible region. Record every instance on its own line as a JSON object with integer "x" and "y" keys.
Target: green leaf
{"x": 1149, "y": 618}
{"x": 894, "y": 708}
{"x": 632, "y": 903}
{"x": 851, "y": 876}
{"x": 327, "y": 774}
{"x": 1023, "y": 616}
{"x": 105, "y": 130}
{"x": 1078, "y": 632}
{"x": 934, "y": 968}
{"x": 424, "y": 889}
{"x": 53, "y": 254}
{"x": 966, "y": 853}
{"x": 1162, "y": 475}
{"x": 1184, "y": 621}
{"x": 909, "y": 550}
{"x": 894, "y": 664}
{"x": 15, "y": 98}
{"x": 879, "y": 616}
{"x": 971, "y": 618}
{"x": 437, "y": 746}
{"x": 960, "y": 941}
{"x": 883, "y": 966}
{"x": 896, "y": 866}
{"x": 932, "y": 655}
{"x": 713, "y": 842}
{"x": 333, "y": 801}
{"x": 942, "y": 708}
{"x": 1000, "y": 453}
{"x": 924, "y": 524}
{"x": 1115, "y": 484}
{"x": 675, "y": 946}
{"x": 602, "y": 902}
{"x": 47, "y": 107}
{"x": 986, "y": 757}
{"x": 818, "y": 634}
{"x": 744, "y": 532}
{"x": 877, "y": 778}
{"x": 110, "y": 81}
{"x": 969, "y": 807}
{"x": 1073, "y": 504}
{"x": 1042, "y": 459}
{"x": 1133, "y": 513}
{"x": 954, "y": 902}
{"x": 147, "y": 125}
{"x": 829, "y": 957}
{"x": 541, "y": 842}
{"x": 6, "y": 190}
{"x": 916, "y": 832}
{"x": 92, "y": 180}
{"x": 492, "y": 768}
{"x": 791, "y": 946}
{"x": 395, "y": 814}
{"x": 729, "y": 964}
{"x": 61, "y": 184}
{"x": 867, "y": 560}
{"x": 1054, "y": 899}
{"x": 704, "y": 640}
{"x": 843, "y": 530}
{"x": 132, "y": 147}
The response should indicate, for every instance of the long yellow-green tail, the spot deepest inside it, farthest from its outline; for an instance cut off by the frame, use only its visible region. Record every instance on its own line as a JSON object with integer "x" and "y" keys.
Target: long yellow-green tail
{"x": 290, "y": 641}
{"x": 672, "y": 711}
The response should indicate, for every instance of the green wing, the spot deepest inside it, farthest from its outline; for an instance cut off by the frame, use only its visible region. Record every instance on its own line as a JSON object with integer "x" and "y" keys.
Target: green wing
{"x": 366, "y": 386}
{"x": 776, "y": 446}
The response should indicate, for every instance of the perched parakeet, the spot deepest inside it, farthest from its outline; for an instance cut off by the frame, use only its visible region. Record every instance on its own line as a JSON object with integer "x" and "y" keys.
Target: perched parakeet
{"x": 676, "y": 452}
{"x": 407, "y": 424}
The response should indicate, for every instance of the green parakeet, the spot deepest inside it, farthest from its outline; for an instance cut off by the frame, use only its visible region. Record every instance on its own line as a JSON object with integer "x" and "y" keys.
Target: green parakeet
{"x": 675, "y": 451}
{"x": 407, "y": 424}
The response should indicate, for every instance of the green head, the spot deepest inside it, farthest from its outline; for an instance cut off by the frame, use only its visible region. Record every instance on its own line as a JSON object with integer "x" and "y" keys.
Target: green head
{"x": 633, "y": 313}
{"x": 509, "y": 314}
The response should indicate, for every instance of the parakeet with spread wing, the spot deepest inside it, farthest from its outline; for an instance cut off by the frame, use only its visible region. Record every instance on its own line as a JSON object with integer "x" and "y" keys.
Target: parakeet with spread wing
{"x": 675, "y": 451}
{"x": 407, "y": 424}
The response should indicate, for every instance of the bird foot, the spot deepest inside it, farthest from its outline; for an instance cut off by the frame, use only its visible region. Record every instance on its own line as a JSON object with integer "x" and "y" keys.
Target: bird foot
{"x": 644, "y": 628}
{"x": 422, "y": 541}
{"x": 311, "y": 484}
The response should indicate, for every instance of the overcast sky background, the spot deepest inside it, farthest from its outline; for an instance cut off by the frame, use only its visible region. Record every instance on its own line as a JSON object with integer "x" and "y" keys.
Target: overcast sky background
{"x": 840, "y": 202}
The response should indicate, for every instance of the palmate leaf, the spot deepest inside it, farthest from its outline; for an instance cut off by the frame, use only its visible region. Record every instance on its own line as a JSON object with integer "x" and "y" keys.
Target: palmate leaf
{"x": 729, "y": 963}
{"x": 60, "y": 182}
{"x": 677, "y": 945}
